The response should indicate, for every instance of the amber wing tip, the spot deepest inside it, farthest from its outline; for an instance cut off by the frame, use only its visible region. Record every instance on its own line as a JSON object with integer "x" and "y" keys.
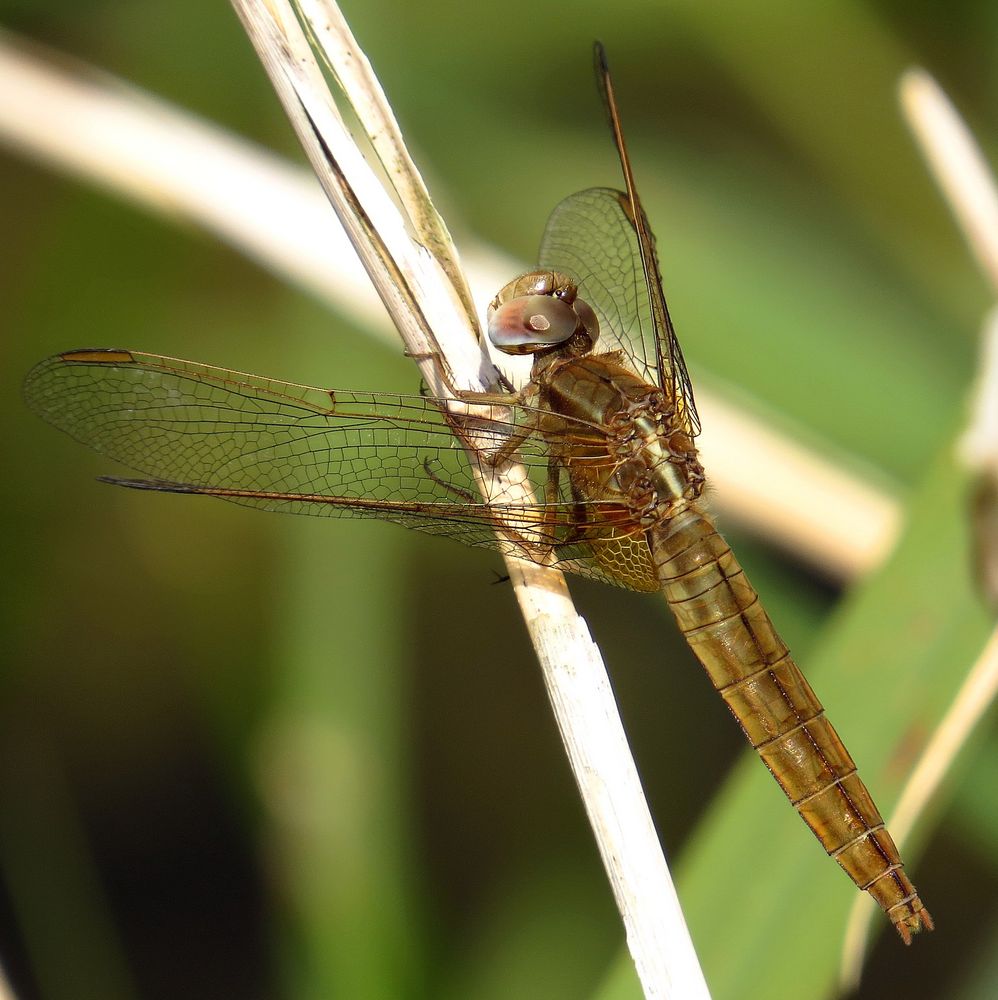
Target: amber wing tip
{"x": 916, "y": 919}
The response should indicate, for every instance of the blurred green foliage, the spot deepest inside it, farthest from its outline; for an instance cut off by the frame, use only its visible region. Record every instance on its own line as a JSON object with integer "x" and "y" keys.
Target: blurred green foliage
{"x": 250, "y": 757}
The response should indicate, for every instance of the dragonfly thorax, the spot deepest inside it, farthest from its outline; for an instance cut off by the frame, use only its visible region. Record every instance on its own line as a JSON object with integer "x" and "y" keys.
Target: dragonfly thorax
{"x": 539, "y": 311}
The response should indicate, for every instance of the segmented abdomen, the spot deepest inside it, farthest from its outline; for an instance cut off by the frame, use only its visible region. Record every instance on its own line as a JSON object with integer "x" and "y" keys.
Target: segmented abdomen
{"x": 722, "y": 618}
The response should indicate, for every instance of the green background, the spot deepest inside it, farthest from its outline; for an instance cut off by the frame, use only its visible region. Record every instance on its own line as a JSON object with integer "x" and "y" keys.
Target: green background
{"x": 244, "y": 756}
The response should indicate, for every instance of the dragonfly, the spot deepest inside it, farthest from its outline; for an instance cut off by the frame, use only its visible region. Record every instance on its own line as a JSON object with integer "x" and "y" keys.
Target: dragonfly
{"x": 609, "y": 483}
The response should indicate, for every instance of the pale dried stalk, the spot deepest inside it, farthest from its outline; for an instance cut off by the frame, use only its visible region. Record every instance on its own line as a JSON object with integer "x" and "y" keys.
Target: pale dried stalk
{"x": 970, "y": 189}
{"x": 6, "y": 990}
{"x": 420, "y": 300}
{"x": 92, "y": 125}
{"x": 430, "y": 316}
{"x": 975, "y": 697}
{"x": 979, "y": 443}
{"x": 818, "y": 511}
{"x": 335, "y": 41}
{"x": 957, "y": 164}
{"x": 169, "y": 161}
{"x": 978, "y": 450}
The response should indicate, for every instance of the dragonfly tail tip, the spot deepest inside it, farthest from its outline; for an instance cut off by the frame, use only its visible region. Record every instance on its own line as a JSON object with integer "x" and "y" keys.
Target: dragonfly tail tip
{"x": 914, "y": 920}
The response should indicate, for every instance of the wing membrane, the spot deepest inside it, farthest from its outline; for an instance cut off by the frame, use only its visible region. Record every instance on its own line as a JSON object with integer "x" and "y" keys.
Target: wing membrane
{"x": 602, "y": 238}
{"x": 300, "y": 449}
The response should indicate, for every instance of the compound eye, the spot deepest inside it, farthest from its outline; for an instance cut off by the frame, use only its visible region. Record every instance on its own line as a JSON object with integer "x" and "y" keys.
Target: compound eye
{"x": 530, "y": 323}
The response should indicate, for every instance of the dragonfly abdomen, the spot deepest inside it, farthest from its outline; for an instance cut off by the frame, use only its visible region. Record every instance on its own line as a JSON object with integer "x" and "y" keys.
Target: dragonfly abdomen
{"x": 720, "y": 614}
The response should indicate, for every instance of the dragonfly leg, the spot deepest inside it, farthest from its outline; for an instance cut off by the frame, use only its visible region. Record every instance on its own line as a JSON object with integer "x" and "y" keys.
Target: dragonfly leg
{"x": 447, "y": 376}
{"x": 553, "y": 484}
{"x": 524, "y": 397}
{"x": 466, "y": 495}
{"x": 439, "y": 361}
{"x": 504, "y": 383}
{"x": 579, "y": 502}
{"x": 552, "y": 494}
{"x": 512, "y": 444}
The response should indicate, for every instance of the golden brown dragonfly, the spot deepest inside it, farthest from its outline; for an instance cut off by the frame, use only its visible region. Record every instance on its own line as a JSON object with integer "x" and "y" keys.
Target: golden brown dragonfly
{"x": 604, "y": 434}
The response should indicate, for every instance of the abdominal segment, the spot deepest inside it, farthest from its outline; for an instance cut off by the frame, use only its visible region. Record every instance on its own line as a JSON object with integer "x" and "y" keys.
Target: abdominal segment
{"x": 721, "y": 616}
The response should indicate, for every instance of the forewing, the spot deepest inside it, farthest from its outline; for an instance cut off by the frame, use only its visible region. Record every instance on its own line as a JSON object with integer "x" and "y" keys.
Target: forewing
{"x": 601, "y": 237}
{"x": 590, "y": 236}
{"x": 300, "y": 449}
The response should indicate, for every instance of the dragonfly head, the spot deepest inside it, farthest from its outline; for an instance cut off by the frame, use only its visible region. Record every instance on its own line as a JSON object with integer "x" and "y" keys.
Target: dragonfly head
{"x": 541, "y": 311}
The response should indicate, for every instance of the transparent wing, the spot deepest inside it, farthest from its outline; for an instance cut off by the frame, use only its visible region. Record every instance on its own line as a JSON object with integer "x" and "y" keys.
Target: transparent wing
{"x": 279, "y": 446}
{"x": 590, "y": 236}
{"x": 601, "y": 237}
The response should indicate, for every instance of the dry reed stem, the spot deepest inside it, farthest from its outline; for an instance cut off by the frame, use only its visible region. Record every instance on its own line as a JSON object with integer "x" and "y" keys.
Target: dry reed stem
{"x": 969, "y": 187}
